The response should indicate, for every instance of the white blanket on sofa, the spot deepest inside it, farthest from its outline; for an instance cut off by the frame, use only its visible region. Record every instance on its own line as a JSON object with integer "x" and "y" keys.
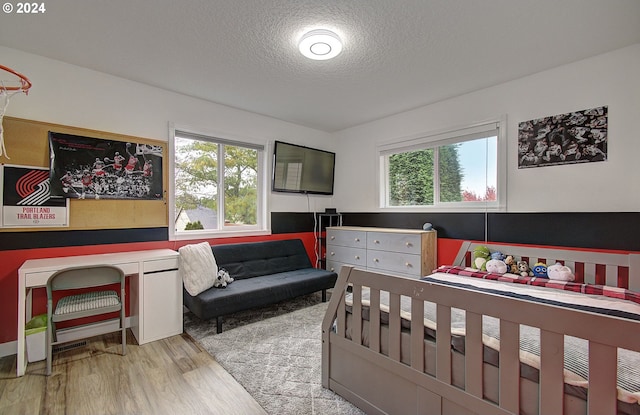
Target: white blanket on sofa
{"x": 198, "y": 267}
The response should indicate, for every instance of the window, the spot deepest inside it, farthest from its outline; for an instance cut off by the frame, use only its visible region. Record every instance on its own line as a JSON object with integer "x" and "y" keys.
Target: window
{"x": 458, "y": 169}
{"x": 217, "y": 186}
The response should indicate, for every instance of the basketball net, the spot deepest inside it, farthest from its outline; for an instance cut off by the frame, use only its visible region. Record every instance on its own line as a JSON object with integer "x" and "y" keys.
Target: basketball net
{"x": 7, "y": 90}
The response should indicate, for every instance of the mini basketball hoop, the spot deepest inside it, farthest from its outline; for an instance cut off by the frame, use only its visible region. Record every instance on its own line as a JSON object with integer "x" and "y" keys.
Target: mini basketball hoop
{"x": 8, "y": 88}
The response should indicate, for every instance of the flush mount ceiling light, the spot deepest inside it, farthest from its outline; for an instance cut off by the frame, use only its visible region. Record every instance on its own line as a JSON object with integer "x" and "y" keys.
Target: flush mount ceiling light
{"x": 320, "y": 44}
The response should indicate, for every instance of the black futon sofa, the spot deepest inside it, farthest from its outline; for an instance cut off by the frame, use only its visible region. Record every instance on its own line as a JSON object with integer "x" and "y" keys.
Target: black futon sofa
{"x": 264, "y": 273}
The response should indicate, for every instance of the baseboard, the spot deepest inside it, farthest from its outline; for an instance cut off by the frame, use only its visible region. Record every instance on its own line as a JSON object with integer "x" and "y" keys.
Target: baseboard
{"x": 75, "y": 333}
{"x": 8, "y": 348}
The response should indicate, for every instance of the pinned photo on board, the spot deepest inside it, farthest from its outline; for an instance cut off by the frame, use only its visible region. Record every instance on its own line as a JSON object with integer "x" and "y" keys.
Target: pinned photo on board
{"x": 94, "y": 168}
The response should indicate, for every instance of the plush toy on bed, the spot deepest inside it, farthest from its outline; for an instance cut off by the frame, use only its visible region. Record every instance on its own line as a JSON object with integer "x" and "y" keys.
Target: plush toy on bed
{"x": 481, "y": 255}
{"x": 222, "y": 279}
{"x": 560, "y": 272}
{"x": 497, "y": 255}
{"x": 512, "y": 267}
{"x": 495, "y": 266}
{"x": 523, "y": 269}
{"x": 540, "y": 270}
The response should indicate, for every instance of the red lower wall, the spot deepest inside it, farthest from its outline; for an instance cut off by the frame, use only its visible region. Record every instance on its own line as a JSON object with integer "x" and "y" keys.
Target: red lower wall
{"x": 12, "y": 260}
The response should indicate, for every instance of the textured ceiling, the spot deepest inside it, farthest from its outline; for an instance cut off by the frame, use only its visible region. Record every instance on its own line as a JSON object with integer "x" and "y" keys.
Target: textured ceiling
{"x": 398, "y": 54}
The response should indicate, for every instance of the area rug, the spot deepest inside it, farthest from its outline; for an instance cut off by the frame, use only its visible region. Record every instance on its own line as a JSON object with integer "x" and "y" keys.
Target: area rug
{"x": 275, "y": 354}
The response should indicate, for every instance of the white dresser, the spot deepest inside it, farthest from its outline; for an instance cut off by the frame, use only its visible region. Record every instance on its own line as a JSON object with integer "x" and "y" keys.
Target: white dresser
{"x": 406, "y": 252}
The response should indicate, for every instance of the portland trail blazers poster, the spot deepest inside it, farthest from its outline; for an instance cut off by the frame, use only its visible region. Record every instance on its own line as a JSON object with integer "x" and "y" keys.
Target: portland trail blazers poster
{"x": 27, "y": 201}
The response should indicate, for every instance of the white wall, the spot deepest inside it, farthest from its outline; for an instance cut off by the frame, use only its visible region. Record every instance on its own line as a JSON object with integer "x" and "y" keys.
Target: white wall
{"x": 612, "y": 79}
{"x": 71, "y": 95}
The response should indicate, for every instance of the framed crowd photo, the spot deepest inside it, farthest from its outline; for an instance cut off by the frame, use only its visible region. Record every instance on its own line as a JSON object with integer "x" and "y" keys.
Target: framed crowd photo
{"x": 94, "y": 168}
{"x": 27, "y": 201}
{"x": 575, "y": 137}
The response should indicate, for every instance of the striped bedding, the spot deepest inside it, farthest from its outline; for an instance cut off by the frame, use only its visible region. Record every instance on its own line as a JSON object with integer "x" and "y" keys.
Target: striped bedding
{"x": 594, "y": 289}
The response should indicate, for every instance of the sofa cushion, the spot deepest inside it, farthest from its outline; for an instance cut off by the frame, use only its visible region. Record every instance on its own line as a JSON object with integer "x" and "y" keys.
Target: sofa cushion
{"x": 245, "y": 293}
{"x": 198, "y": 267}
{"x": 253, "y": 259}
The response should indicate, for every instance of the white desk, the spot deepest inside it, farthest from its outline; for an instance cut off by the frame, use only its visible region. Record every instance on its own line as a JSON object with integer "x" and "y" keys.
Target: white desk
{"x": 155, "y": 291}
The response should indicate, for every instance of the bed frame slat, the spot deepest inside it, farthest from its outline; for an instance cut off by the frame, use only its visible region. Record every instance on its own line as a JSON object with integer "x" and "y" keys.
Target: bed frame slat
{"x": 356, "y": 333}
{"x": 509, "y": 366}
{"x": 611, "y": 275}
{"x": 590, "y": 273}
{"x": 473, "y": 354}
{"x": 602, "y": 379}
{"x": 394, "y": 326}
{"x": 551, "y": 372}
{"x": 443, "y": 343}
{"x": 374, "y": 320}
{"x": 341, "y": 323}
{"x": 417, "y": 334}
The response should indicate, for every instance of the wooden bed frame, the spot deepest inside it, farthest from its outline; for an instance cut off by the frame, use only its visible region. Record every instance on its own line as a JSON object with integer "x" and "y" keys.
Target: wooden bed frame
{"x": 379, "y": 383}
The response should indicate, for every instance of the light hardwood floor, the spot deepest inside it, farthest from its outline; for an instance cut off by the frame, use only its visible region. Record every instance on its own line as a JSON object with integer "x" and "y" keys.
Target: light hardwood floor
{"x": 171, "y": 376}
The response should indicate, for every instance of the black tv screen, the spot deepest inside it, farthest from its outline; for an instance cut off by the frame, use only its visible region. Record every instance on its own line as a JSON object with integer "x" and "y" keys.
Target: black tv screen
{"x": 300, "y": 169}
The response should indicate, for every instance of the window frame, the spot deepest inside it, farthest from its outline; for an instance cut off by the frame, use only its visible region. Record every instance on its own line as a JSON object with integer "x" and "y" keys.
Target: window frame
{"x": 428, "y": 140}
{"x": 262, "y": 226}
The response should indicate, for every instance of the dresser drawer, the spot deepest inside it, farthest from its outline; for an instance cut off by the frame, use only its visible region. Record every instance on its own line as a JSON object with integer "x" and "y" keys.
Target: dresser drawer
{"x": 335, "y": 266}
{"x": 157, "y": 265}
{"x": 394, "y": 242}
{"x": 347, "y": 255}
{"x": 356, "y": 239}
{"x": 407, "y": 264}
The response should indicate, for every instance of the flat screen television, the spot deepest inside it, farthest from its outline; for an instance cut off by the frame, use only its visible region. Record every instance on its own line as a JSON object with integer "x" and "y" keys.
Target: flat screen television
{"x": 300, "y": 169}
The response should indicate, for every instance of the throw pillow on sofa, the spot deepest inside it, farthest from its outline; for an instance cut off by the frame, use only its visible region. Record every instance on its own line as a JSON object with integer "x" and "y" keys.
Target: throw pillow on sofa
{"x": 198, "y": 267}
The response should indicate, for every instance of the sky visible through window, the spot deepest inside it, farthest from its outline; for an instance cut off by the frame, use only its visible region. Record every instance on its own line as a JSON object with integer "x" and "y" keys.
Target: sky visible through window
{"x": 475, "y": 155}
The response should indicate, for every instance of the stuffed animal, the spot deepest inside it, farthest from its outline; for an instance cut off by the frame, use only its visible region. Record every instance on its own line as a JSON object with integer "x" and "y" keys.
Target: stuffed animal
{"x": 511, "y": 264}
{"x": 523, "y": 269}
{"x": 498, "y": 255}
{"x": 222, "y": 279}
{"x": 495, "y": 266}
{"x": 481, "y": 255}
{"x": 560, "y": 272}
{"x": 540, "y": 270}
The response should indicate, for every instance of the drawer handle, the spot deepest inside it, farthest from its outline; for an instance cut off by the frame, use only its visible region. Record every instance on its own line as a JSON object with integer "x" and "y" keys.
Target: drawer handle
{"x": 332, "y": 253}
{"x": 357, "y": 256}
{"x": 376, "y": 260}
{"x": 408, "y": 265}
{"x": 332, "y": 237}
{"x": 357, "y": 239}
{"x": 408, "y": 244}
{"x": 375, "y": 241}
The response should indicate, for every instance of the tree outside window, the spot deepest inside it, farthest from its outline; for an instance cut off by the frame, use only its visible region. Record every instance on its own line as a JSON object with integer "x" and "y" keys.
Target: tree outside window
{"x": 216, "y": 184}
{"x": 452, "y": 172}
